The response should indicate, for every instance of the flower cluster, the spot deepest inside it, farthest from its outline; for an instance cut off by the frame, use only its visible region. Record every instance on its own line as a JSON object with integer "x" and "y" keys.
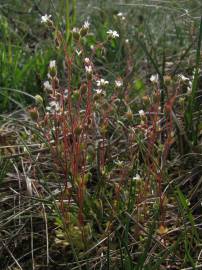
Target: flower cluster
{"x": 88, "y": 68}
{"x": 121, "y": 16}
{"x": 78, "y": 33}
{"x": 102, "y": 83}
{"x": 52, "y": 72}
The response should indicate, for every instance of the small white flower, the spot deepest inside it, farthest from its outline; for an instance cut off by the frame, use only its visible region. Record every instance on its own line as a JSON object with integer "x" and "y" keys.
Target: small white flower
{"x": 86, "y": 25}
{"x": 47, "y": 86}
{"x": 137, "y": 177}
{"x": 52, "y": 64}
{"x": 183, "y": 78}
{"x": 98, "y": 91}
{"x": 53, "y": 107}
{"x": 87, "y": 61}
{"x": 141, "y": 113}
{"x": 112, "y": 34}
{"x": 154, "y": 78}
{"x": 66, "y": 93}
{"x": 121, "y": 15}
{"x": 53, "y": 104}
{"x": 89, "y": 69}
{"x": 45, "y": 18}
{"x": 102, "y": 82}
{"x": 127, "y": 41}
{"x": 118, "y": 83}
{"x": 78, "y": 52}
{"x": 75, "y": 30}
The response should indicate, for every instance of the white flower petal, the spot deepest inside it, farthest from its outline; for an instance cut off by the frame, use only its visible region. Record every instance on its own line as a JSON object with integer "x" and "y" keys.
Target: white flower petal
{"x": 45, "y": 18}
{"x": 141, "y": 113}
{"x": 154, "y": 78}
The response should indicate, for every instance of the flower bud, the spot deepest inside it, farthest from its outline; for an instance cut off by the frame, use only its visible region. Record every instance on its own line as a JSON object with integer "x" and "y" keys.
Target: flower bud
{"x": 156, "y": 97}
{"x": 146, "y": 100}
{"x": 89, "y": 72}
{"x": 39, "y": 100}
{"x": 96, "y": 97}
{"x": 83, "y": 88}
{"x": 105, "y": 105}
{"x": 52, "y": 68}
{"x": 129, "y": 115}
{"x": 167, "y": 79}
{"x": 104, "y": 128}
{"x": 181, "y": 101}
{"x": 76, "y": 34}
{"x": 33, "y": 112}
{"x": 78, "y": 130}
{"x": 75, "y": 95}
{"x": 84, "y": 29}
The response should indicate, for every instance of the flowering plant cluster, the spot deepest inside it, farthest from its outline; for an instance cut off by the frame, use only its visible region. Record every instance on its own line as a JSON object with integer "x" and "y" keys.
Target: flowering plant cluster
{"x": 103, "y": 143}
{"x": 81, "y": 120}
